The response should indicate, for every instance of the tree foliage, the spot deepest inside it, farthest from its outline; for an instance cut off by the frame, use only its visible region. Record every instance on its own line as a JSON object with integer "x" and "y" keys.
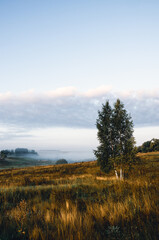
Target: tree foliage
{"x": 104, "y": 150}
{"x": 3, "y": 154}
{"x": 149, "y": 146}
{"x": 115, "y": 135}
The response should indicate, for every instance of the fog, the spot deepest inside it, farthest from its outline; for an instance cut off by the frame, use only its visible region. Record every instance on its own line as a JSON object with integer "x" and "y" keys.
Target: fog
{"x": 70, "y": 156}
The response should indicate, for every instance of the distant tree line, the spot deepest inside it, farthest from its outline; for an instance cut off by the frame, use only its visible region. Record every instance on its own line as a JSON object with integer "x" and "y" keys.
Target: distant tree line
{"x": 15, "y": 153}
{"x": 149, "y": 146}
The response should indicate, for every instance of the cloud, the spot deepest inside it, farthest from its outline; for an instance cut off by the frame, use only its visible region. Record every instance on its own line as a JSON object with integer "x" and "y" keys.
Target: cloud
{"x": 68, "y": 107}
{"x": 98, "y": 92}
{"x": 13, "y": 133}
{"x": 62, "y": 92}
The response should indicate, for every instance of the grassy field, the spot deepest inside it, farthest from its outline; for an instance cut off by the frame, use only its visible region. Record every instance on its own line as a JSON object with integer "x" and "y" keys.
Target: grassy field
{"x": 78, "y": 201}
{"x": 20, "y": 162}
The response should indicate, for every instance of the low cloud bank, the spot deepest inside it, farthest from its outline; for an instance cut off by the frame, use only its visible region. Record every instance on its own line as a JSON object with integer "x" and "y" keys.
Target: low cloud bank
{"x": 67, "y": 107}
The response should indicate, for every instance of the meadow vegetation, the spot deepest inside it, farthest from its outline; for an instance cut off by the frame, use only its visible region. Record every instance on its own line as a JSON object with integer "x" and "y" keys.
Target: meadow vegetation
{"x": 78, "y": 201}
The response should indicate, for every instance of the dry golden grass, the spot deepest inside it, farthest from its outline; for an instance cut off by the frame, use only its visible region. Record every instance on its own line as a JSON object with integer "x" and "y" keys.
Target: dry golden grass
{"x": 78, "y": 201}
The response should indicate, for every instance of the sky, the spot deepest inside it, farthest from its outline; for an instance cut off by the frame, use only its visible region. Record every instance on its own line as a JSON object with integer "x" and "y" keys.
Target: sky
{"x": 60, "y": 60}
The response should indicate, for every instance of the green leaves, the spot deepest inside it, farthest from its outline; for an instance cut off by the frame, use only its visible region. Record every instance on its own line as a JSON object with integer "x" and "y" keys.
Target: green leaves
{"x": 115, "y": 135}
{"x": 149, "y": 146}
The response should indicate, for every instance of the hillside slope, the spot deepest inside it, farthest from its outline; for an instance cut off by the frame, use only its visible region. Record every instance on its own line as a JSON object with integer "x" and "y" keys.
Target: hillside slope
{"x": 78, "y": 201}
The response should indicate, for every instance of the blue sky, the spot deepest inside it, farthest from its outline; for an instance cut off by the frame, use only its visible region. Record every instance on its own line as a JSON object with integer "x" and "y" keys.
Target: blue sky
{"x": 76, "y": 53}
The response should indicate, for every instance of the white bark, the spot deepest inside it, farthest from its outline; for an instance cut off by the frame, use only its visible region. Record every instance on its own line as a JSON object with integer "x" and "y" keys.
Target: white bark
{"x": 121, "y": 174}
{"x": 116, "y": 174}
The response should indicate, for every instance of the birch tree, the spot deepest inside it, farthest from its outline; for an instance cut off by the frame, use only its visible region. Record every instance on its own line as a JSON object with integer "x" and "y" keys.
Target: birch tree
{"x": 115, "y": 135}
{"x": 104, "y": 126}
{"x": 122, "y": 137}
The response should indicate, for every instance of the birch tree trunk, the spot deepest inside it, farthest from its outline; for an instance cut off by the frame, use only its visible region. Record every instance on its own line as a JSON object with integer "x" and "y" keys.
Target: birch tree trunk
{"x": 116, "y": 174}
{"x": 121, "y": 174}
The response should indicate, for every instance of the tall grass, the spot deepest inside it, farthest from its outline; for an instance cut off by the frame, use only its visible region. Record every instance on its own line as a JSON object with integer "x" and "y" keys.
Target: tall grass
{"x": 78, "y": 201}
